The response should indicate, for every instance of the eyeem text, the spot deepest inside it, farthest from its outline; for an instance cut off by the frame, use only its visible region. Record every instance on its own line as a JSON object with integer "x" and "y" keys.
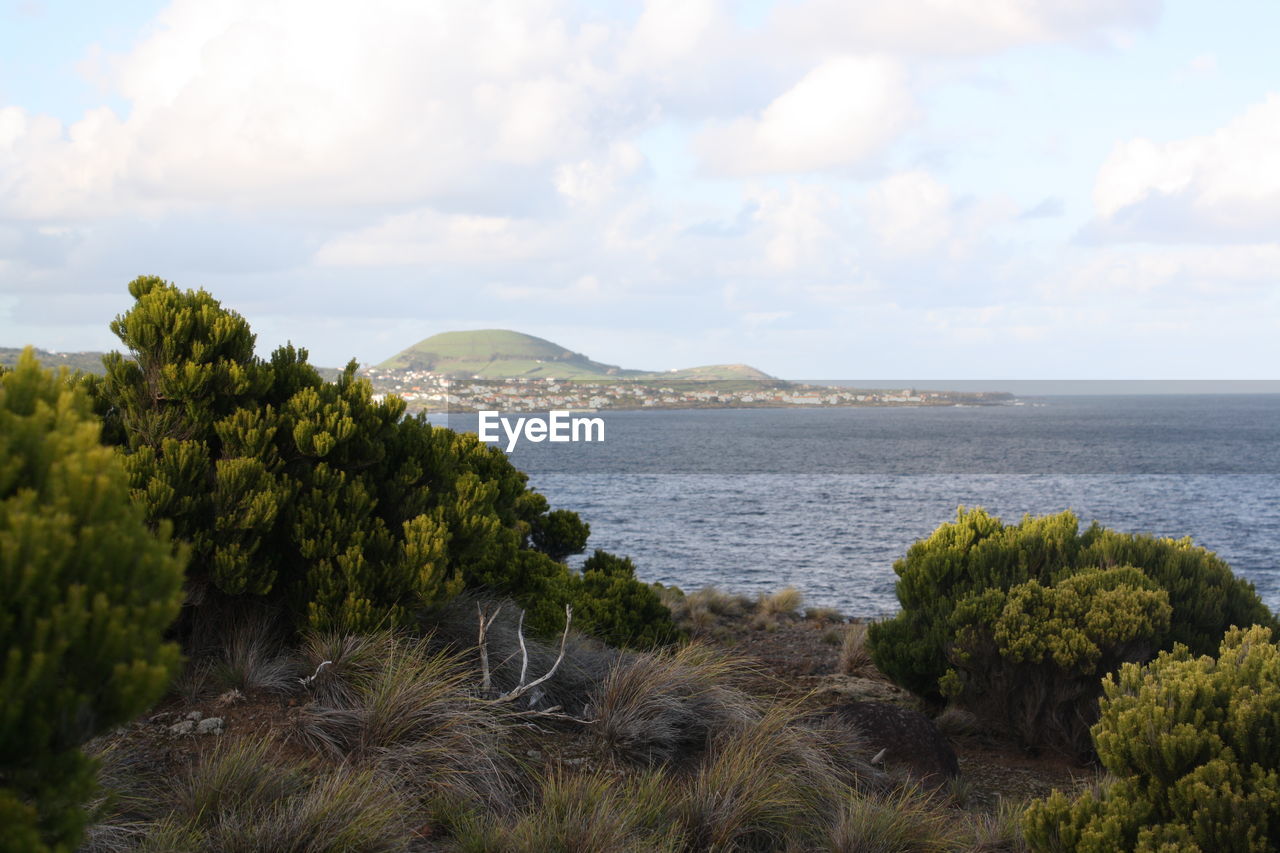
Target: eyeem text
{"x": 557, "y": 426}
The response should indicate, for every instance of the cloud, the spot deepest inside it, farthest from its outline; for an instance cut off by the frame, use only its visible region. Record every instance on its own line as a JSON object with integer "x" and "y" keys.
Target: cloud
{"x": 1047, "y": 208}
{"x": 1187, "y": 274}
{"x": 307, "y": 103}
{"x": 1223, "y": 187}
{"x": 910, "y": 213}
{"x": 841, "y": 113}
{"x": 954, "y": 27}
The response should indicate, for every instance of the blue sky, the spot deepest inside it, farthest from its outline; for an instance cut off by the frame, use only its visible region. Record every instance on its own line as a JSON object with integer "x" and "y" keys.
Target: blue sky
{"x": 822, "y": 188}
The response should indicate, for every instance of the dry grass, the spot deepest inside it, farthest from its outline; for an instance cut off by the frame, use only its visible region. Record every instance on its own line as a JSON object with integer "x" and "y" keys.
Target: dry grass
{"x": 855, "y": 657}
{"x": 999, "y": 831}
{"x": 663, "y": 706}
{"x": 253, "y": 658}
{"x": 595, "y": 812}
{"x": 413, "y": 716}
{"x": 958, "y": 723}
{"x": 766, "y": 785}
{"x": 785, "y": 602}
{"x": 824, "y": 615}
{"x": 241, "y": 796}
{"x": 341, "y": 665}
{"x": 903, "y": 821}
{"x": 701, "y": 613}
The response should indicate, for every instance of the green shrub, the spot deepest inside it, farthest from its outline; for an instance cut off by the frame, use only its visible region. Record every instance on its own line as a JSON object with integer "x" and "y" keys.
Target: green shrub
{"x": 314, "y": 495}
{"x": 610, "y": 604}
{"x": 86, "y": 593}
{"x": 1031, "y": 658}
{"x": 1193, "y": 744}
{"x": 978, "y": 555}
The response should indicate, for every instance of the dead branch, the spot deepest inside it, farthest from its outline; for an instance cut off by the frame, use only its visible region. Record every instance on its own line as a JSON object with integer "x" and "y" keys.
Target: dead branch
{"x": 522, "y": 688}
{"x": 483, "y": 642}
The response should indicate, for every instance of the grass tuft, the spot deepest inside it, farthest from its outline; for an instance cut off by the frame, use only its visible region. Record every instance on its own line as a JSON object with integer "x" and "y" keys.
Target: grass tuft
{"x": 903, "y": 821}
{"x": 415, "y": 718}
{"x": 662, "y": 706}
{"x": 999, "y": 831}
{"x": 763, "y": 785}
{"x": 785, "y": 602}
{"x": 252, "y": 658}
{"x": 240, "y": 796}
{"x": 855, "y": 657}
{"x": 595, "y": 812}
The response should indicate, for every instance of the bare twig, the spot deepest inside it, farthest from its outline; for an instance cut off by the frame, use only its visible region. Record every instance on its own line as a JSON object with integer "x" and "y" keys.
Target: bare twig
{"x": 524, "y": 652}
{"x": 306, "y": 682}
{"x": 522, "y": 688}
{"x": 483, "y": 642}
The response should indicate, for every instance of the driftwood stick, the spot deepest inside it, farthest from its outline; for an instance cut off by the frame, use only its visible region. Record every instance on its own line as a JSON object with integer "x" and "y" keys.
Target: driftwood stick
{"x": 522, "y": 688}
{"x": 483, "y": 642}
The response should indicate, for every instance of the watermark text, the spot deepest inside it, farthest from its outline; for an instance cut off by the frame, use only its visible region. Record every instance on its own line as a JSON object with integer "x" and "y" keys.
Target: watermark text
{"x": 557, "y": 426}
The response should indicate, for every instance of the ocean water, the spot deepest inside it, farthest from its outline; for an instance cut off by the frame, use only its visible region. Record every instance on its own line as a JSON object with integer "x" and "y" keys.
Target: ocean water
{"x": 751, "y": 500}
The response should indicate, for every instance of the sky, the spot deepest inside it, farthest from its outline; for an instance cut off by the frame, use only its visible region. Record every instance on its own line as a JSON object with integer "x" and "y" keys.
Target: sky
{"x": 950, "y": 189}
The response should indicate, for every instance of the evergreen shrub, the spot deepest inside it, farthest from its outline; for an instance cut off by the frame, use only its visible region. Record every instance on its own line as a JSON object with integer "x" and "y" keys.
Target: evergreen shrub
{"x": 1019, "y": 621}
{"x": 86, "y": 593}
{"x": 1193, "y": 746}
{"x": 316, "y": 495}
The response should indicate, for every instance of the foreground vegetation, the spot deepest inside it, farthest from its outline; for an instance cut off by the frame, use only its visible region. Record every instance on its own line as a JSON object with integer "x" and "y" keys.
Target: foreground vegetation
{"x": 385, "y": 649}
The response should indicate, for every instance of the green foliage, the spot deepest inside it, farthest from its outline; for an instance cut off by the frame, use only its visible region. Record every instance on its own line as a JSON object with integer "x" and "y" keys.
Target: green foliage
{"x": 86, "y": 592}
{"x": 1031, "y": 658}
{"x": 610, "y": 604}
{"x": 318, "y": 496}
{"x": 560, "y": 533}
{"x": 1193, "y": 744}
{"x": 978, "y": 555}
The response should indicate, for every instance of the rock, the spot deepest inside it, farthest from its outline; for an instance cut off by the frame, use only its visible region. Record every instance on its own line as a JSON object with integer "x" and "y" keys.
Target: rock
{"x": 184, "y": 727}
{"x": 210, "y": 726}
{"x": 194, "y": 716}
{"x": 903, "y": 739}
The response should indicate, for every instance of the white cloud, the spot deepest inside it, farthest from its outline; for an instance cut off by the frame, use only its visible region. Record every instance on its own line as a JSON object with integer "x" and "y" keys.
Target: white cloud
{"x": 429, "y": 238}
{"x": 594, "y": 180}
{"x": 1172, "y": 274}
{"x": 1221, "y": 187}
{"x": 954, "y": 27}
{"x": 315, "y": 102}
{"x": 910, "y": 213}
{"x": 841, "y": 113}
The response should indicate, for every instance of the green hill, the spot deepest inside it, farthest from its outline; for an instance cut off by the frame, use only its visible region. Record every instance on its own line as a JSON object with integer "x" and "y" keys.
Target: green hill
{"x": 503, "y": 354}
{"x": 497, "y": 354}
{"x": 85, "y": 362}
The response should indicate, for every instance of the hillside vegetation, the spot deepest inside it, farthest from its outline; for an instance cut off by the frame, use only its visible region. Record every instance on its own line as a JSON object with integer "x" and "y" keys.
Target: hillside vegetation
{"x": 382, "y": 648}
{"x": 502, "y": 354}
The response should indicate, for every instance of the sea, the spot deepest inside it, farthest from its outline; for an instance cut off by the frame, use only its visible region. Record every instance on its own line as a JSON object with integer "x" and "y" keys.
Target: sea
{"x": 826, "y": 499}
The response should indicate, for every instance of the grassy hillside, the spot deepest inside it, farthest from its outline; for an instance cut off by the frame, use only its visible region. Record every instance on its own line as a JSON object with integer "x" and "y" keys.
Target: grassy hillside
{"x": 91, "y": 362}
{"x": 714, "y": 371}
{"x": 86, "y": 362}
{"x": 500, "y": 354}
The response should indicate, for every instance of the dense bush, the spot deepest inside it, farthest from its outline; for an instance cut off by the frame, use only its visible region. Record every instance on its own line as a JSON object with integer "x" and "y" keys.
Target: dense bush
{"x": 86, "y": 592}
{"x": 978, "y": 555}
{"x": 316, "y": 495}
{"x": 1032, "y": 658}
{"x": 1193, "y": 744}
{"x": 616, "y": 608}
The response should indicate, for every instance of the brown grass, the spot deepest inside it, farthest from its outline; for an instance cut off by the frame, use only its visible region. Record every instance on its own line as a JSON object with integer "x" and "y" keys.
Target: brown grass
{"x": 855, "y": 657}
{"x": 659, "y": 707}
{"x": 785, "y": 602}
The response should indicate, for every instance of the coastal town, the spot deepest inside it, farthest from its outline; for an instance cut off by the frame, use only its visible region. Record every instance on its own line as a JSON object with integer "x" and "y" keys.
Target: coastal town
{"x": 426, "y": 391}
